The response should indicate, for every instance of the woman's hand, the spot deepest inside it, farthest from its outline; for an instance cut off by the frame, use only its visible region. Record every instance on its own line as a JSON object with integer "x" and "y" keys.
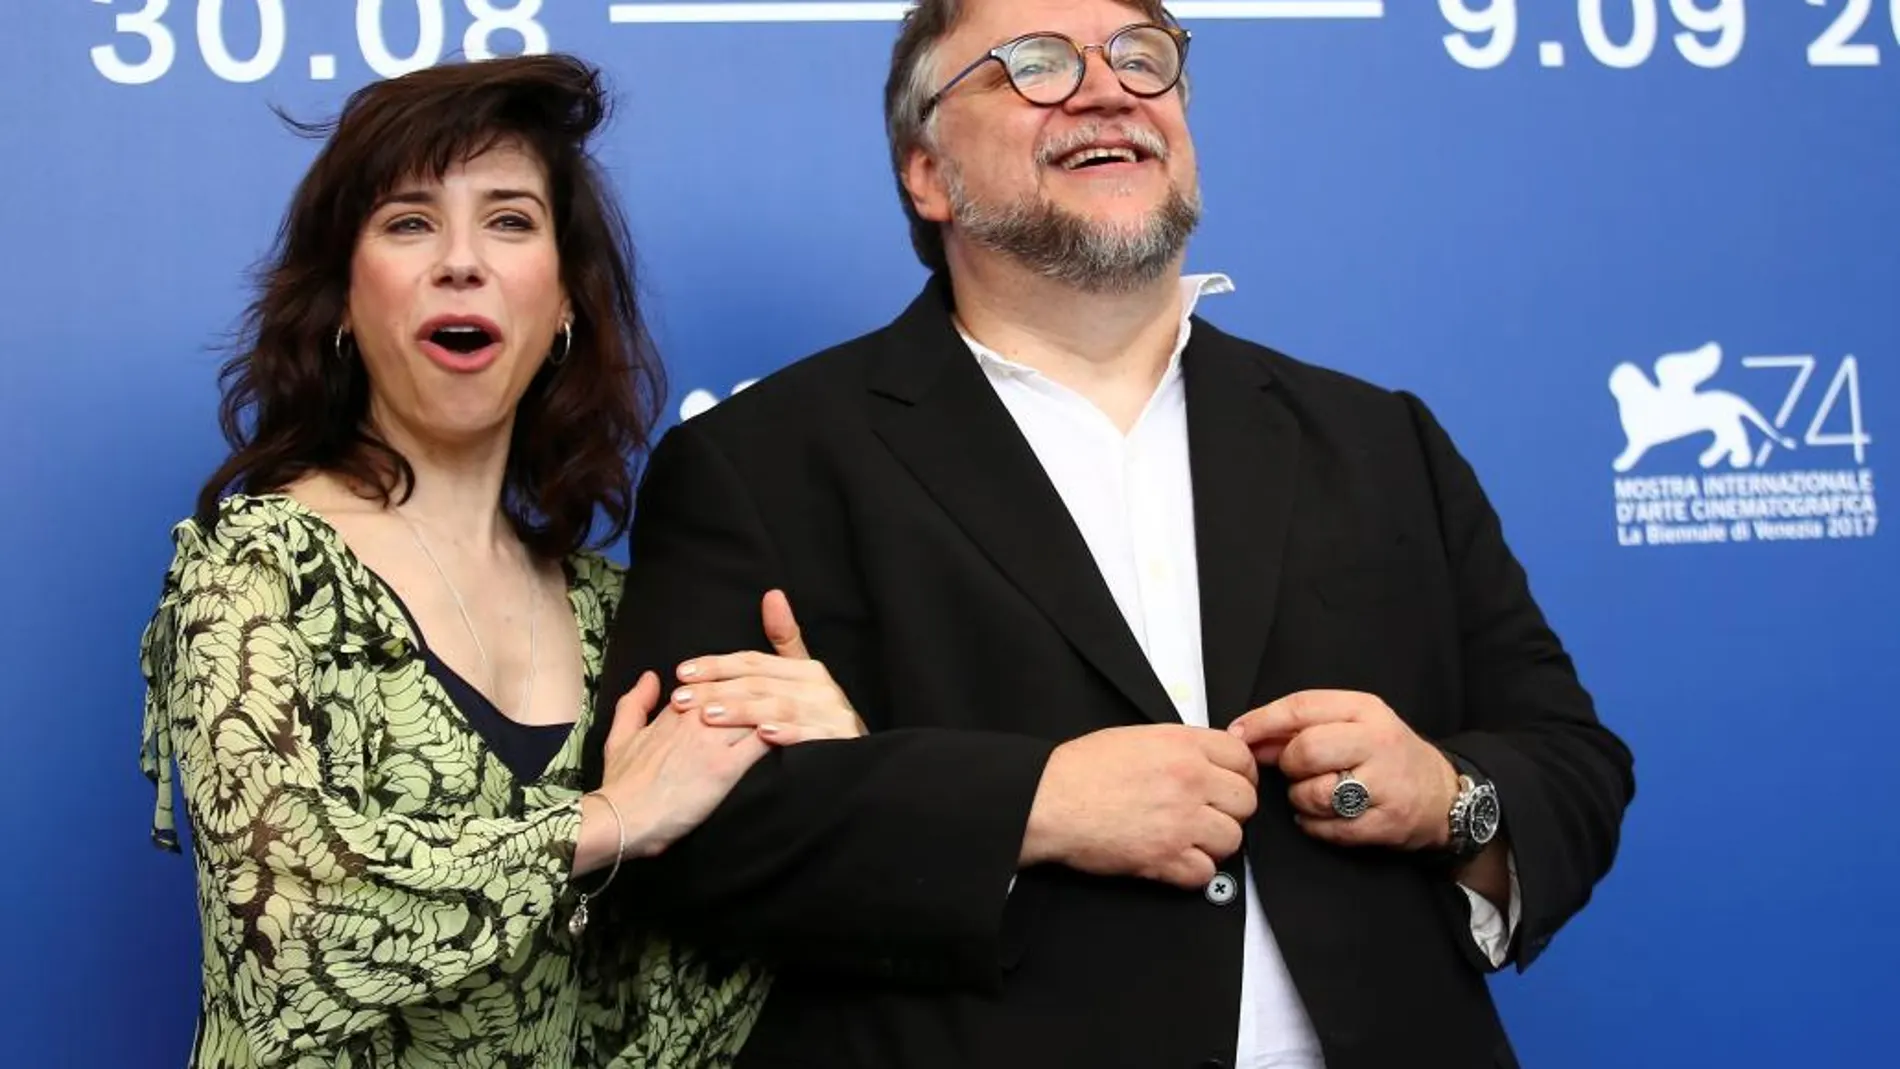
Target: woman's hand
{"x": 787, "y": 698}
{"x": 664, "y": 777}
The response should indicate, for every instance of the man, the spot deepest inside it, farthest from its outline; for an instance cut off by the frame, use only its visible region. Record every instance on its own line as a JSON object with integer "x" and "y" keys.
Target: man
{"x": 1196, "y": 676}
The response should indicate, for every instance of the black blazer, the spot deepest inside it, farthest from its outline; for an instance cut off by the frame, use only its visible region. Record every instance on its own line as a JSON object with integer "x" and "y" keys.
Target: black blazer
{"x": 1342, "y": 542}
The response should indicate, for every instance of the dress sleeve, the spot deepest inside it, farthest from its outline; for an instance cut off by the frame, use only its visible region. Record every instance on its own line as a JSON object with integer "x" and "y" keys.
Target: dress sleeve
{"x": 663, "y": 1004}
{"x": 327, "y": 911}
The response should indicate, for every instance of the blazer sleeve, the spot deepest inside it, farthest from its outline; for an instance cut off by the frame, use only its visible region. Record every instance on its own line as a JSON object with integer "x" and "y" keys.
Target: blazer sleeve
{"x": 889, "y": 856}
{"x": 1563, "y": 779}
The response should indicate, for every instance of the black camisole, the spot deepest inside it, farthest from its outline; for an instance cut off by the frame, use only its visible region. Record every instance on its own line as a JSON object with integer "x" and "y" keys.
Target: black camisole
{"x": 525, "y": 748}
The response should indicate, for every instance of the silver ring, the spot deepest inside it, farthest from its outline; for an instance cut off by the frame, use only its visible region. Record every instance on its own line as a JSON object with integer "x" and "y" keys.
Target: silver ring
{"x": 1350, "y": 797}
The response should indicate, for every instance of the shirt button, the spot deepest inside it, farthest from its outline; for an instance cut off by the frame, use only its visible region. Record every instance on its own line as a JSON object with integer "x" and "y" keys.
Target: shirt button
{"x": 1158, "y": 570}
{"x": 1180, "y": 693}
{"x": 1221, "y": 889}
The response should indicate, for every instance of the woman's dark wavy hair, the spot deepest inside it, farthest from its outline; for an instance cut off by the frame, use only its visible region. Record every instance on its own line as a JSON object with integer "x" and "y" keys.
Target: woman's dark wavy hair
{"x": 293, "y": 404}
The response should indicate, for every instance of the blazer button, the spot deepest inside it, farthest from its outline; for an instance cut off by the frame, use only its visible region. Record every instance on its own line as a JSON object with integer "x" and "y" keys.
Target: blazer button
{"x": 1221, "y": 889}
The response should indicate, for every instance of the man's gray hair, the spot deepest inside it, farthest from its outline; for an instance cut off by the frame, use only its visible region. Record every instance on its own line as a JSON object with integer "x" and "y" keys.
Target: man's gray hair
{"x": 912, "y": 80}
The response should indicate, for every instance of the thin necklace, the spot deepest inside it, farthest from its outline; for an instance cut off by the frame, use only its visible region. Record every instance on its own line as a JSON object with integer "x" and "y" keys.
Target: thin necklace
{"x": 534, "y": 619}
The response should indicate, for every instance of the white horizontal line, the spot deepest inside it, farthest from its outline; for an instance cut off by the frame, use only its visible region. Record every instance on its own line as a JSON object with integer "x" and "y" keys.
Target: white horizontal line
{"x": 1280, "y": 9}
{"x": 779, "y": 12}
{"x": 891, "y": 12}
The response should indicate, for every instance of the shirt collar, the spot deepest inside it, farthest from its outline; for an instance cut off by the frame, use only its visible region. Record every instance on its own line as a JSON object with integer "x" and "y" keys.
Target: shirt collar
{"x": 1193, "y": 288}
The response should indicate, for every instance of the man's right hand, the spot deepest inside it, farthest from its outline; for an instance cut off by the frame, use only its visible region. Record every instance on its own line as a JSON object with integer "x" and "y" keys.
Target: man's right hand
{"x": 1155, "y": 801}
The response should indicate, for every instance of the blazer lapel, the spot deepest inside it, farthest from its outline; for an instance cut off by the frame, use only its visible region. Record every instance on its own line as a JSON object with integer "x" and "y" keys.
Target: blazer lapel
{"x": 942, "y": 420}
{"x": 1243, "y": 446}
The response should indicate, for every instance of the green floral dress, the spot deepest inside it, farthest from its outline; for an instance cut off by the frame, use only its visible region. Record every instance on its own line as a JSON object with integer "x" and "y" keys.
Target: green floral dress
{"x": 376, "y": 888}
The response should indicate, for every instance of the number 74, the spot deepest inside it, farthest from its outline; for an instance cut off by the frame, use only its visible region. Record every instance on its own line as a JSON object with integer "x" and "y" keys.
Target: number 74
{"x": 1846, "y": 379}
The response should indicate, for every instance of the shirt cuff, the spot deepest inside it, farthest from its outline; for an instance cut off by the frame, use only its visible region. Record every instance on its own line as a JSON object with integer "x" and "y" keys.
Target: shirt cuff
{"x": 1489, "y": 929}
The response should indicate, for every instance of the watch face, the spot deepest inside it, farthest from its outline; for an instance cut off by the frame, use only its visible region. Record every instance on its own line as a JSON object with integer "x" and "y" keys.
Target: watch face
{"x": 1484, "y": 815}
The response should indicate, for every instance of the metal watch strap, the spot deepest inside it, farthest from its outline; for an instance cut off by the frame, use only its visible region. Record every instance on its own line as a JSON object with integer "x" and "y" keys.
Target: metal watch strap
{"x": 1470, "y": 783}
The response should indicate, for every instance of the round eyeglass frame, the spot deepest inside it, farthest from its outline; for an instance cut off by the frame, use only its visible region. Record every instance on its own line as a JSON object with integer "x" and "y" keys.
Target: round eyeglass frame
{"x": 1001, "y": 54}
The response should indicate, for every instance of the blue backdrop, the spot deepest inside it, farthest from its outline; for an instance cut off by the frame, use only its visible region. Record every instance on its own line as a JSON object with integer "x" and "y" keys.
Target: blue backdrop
{"x": 1498, "y": 207}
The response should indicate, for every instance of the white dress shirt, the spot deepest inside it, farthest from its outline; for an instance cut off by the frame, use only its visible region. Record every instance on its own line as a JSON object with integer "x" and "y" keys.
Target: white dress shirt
{"x": 1133, "y": 499}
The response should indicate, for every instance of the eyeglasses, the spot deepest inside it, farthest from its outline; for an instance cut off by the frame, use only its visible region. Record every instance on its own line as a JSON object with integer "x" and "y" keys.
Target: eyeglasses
{"x": 1047, "y": 68}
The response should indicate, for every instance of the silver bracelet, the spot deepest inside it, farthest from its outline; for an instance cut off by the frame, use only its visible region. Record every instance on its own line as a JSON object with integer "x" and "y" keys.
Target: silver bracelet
{"x": 578, "y": 922}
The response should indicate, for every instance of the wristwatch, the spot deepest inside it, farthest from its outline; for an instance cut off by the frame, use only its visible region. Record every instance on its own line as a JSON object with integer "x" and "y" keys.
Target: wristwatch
{"x": 1475, "y": 814}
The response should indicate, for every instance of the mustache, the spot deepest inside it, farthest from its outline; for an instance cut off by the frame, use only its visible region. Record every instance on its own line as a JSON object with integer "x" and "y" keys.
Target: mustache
{"x": 1142, "y": 137}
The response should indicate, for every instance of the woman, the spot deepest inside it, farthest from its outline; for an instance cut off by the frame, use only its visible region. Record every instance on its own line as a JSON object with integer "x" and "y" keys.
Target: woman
{"x": 372, "y": 660}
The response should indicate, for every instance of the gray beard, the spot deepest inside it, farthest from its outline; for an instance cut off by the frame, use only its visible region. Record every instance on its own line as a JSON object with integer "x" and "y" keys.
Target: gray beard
{"x": 1067, "y": 248}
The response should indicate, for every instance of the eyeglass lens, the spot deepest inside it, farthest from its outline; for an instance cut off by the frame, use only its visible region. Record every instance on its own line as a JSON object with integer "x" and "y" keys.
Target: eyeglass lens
{"x": 1047, "y": 68}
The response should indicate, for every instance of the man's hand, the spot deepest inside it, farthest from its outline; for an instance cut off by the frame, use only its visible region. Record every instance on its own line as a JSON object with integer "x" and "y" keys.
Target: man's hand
{"x": 1316, "y": 736}
{"x": 1157, "y": 801}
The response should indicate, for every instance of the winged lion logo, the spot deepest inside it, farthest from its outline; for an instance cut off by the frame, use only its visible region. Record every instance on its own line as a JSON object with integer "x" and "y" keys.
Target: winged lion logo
{"x": 1671, "y": 408}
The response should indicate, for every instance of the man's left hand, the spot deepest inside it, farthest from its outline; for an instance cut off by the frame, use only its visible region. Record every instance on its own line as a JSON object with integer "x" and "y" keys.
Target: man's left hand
{"x": 1315, "y": 737}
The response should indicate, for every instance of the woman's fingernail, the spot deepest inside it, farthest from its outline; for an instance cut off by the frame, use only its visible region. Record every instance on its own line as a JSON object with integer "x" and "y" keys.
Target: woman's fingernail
{"x": 682, "y": 696}
{"x": 688, "y": 671}
{"x": 714, "y": 712}
{"x": 770, "y": 731}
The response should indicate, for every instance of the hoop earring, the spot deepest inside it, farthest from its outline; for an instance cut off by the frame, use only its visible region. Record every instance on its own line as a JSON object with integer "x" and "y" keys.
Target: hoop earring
{"x": 567, "y": 345}
{"x": 339, "y": 344}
